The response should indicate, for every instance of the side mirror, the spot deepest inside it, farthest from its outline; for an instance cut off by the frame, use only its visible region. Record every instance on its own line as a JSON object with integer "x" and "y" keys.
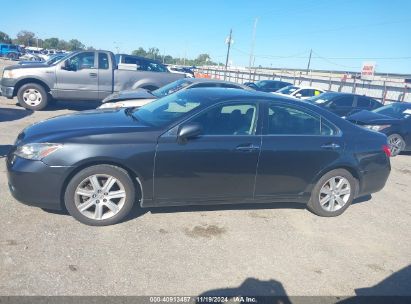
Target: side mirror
{"x": 188, "y": 131}
{"x": 298, "y": 95}
{"x": 67, "y": 66}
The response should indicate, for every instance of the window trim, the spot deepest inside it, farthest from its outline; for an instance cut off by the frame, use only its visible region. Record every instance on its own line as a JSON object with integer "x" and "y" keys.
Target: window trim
{"x": 339, "y": 133}
{"x": 258, "y": 124}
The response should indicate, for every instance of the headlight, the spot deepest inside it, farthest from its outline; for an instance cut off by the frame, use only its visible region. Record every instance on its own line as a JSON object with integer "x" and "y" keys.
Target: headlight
{"x": 36, "y": 151}
{"x": 111, "y": 105}
{"x": 8, "y": 74}
{"x": 377, "y": 127}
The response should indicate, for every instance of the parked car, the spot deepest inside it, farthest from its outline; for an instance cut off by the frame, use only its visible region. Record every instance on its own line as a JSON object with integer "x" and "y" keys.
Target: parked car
{"x": 267, "y": 85}
{"x": 10, "y": 51}
{"x": 140, "y": 97}
{"x": 394, "y": 120}
{"x": 31, "y": 57}
{"x": 181, "y": 70}
{"x": 53, "y": 59}
{"x": 300, "y": 92}
{"x": 137, "y": 63}
{"x": 83, "y": 75}
{"x": 344, "y": 104}
{"x": 199, "y": 146}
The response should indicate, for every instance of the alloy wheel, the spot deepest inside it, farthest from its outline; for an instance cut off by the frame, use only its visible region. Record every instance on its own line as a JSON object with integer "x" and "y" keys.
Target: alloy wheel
{"x": 396, "y": 144}
{"x": 100, "y": 196}
{"x": 335, "y": 193}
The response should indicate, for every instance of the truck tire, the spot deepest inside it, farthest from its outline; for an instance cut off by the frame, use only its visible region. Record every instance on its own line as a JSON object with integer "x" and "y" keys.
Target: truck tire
{"x": 32, "y": 96}
{"x": 12, "y": 56}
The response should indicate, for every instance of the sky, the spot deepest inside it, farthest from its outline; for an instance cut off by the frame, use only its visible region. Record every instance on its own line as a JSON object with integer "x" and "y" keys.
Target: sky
{"x": 342, "y": 33}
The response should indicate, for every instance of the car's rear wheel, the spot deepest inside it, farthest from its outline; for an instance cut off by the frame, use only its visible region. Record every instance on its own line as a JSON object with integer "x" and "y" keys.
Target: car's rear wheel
{"x": 396, "y": 143}
{"x": 12, "y": 56}
{"x": 32, "y": 96}
{"x": 333, "y": 193}
{"x": 100, "y": 195}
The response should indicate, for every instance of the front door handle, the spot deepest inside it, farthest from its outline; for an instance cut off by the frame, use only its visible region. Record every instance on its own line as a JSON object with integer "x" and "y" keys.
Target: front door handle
{"x": 247, "y": 148}
{"x": 331, "y": 146}
{"x": 93, "y": 74}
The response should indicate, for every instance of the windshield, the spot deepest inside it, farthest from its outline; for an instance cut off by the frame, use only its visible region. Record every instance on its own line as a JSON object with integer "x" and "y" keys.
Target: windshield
{"x": 171, "y": 88}
{"x": 396, "y": 110}
{"x": 55, "y": 58}
{"x": 322, "y": 98}
{"x": 163, "y": 111}
{"x": 288, "y": 90}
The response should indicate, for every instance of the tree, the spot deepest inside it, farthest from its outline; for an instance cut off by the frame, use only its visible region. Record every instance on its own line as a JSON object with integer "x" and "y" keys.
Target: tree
{"x": 168, "y": 59}
{"x": 140, "y": 52}
{"x": 74, "y": 45}
{"x": 90, "y": 48}
{"x": 63, "y": 45}
{"x": 25, "y": 37}
{"x": 153, "y": 52}
{"x": 4, "y": 38}
{"x": 202, "y": 59}
{"x": 51, "y": 43}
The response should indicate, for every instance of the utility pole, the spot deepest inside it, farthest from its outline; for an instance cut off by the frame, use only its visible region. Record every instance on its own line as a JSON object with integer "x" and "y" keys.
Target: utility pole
{"x": 228, "y": 52}
{"x": 252, "y": 44}
{"x": 309, "y": 61}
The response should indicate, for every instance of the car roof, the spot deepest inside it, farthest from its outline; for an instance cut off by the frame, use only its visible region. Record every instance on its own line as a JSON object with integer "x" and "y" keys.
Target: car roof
{"x": 349, "y": 94}
{"x": 212, "y": 95}
{"x": 205, "y": 80}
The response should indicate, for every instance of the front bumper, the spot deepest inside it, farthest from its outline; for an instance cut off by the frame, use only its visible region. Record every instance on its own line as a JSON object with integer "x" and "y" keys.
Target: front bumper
{"x": 6, "y": 91}
{"x": 34, "y": 183}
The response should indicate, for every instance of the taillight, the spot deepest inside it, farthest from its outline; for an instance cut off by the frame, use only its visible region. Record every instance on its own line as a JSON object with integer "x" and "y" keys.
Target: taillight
{"x": 386, "y": 150}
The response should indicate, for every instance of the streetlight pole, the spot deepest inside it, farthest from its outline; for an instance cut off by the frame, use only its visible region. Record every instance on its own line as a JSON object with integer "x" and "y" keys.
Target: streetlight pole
{"x": 228, "y": 52}
{"x": 253, "y": 44}
{"x": 309, "y": 62}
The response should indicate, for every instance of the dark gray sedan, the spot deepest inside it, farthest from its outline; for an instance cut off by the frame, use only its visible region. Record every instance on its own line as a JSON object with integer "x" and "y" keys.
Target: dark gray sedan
{"x": 196, "y": 147}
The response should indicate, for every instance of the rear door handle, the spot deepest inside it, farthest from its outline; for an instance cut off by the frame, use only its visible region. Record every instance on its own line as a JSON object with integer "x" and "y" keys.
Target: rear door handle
{"x": 93, "y": 74}
{"x": 247, "y": 148}
{"x": 332, "y": 146}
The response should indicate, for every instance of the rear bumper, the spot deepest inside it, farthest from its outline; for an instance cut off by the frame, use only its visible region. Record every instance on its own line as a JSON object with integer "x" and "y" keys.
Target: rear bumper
{"x": 34, "y": 183}
{"x": 374, "y": 180}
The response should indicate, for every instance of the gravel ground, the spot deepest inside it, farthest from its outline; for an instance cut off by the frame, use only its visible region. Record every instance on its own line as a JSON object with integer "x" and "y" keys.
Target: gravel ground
{"x": 278, "y": 249}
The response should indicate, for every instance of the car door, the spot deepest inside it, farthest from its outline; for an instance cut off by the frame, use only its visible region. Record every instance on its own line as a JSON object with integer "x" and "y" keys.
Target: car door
{"x": 297, "y": 144}
{"x": 216, "y": 167}
{"x": 77, "y": 77}
{"x": 105, "y": 75}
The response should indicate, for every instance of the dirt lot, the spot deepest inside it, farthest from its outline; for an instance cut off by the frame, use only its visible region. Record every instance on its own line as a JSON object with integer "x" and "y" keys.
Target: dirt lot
{"x": 278, "y": 249}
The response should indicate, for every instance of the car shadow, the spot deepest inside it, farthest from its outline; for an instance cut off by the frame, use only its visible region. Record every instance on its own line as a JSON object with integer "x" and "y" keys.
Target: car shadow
{"x": 13, "y": 114}
{"x": 72, "y": 105}
{"x": 138, "y": 211}
{"x": 252, "y": 290}
{"x": 4, "y": 150}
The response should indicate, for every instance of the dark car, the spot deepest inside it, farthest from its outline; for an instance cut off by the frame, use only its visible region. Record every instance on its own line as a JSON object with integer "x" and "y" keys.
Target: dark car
{"x": 394, "y": 120}
{"x": 267, "y": 85}
{"x": 344, "y": 104}
{"x": 195, "y": 147}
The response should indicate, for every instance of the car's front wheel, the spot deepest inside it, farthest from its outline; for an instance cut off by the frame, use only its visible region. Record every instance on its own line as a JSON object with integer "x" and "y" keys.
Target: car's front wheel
{"x": 396, "y": 143}
{"x": 100, "y": 195}
{"x": 333, "y": 193}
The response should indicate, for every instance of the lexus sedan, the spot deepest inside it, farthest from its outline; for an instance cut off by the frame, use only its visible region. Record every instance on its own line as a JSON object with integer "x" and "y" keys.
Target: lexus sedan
{"x": 394, "y": 120}
{"x": 202, "y": 146}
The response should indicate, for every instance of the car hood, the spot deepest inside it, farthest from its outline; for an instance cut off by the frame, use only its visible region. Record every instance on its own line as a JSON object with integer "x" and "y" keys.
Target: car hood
{"x": 27, "y": 66}
{"x": 85, "y": 123}
{"x": 129, "y": 94}
{"x": 365, "y": 117}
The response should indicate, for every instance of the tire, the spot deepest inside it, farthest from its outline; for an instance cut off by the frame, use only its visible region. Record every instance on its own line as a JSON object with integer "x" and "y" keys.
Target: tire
{"x": 32, "y": 96}
{"x": 325, "y": 208}
{"x": 12, "y": 56}
{"x": 112, "y": 210}
{"x": 396, "y": 143}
